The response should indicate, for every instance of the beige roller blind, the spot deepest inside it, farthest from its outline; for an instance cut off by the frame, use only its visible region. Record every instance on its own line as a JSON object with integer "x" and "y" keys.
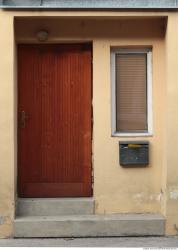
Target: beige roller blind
{"x": 131, "y": 92}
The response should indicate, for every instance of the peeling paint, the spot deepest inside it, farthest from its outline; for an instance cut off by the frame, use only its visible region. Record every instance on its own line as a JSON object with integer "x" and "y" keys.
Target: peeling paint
{"x": 145, "y": 196}
{"x": 173, "y": 194}
{"x": 156, "y": 197}
{"x": 138, "y": 196}
{"x": 2, "y": 220}
{"x": 5, "y": 220}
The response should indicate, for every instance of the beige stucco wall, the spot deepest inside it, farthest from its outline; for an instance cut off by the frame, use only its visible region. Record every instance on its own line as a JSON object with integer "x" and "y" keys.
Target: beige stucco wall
{"x": 7, "y": 145}
{"x": 172, "y": 125}
{"x": 116, "y": 189}
{"x": 120, "y": 189}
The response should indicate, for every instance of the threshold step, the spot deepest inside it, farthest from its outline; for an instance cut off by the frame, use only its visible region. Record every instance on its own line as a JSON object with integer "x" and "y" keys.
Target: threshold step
{"x": 54, "y": 206}
{"x": 90, "y": 225}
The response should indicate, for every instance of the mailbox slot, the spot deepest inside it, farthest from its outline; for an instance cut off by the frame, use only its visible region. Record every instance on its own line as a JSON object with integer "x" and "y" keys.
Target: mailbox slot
{"x": 134, "y": 153}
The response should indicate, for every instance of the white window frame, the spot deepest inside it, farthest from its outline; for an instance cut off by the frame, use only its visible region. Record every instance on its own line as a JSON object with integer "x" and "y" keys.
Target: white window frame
{"x": 114, "y": 52}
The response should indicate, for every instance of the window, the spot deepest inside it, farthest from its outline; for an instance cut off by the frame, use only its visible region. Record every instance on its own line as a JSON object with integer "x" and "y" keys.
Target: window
{"x": 131, "y": 92}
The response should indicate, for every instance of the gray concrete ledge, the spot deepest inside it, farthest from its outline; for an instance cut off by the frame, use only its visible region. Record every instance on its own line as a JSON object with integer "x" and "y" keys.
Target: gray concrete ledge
{"x": 90, "y": 225}
{"x": 137, "y": 242}
{"x": 91, "y": 4}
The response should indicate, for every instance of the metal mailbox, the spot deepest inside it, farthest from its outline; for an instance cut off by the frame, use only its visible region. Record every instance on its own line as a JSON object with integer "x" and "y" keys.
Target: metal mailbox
{"x": 134, "y": 153}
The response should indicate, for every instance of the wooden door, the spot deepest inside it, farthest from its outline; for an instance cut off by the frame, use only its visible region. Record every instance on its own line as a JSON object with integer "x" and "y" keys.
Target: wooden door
{"x": 54, "y": 120}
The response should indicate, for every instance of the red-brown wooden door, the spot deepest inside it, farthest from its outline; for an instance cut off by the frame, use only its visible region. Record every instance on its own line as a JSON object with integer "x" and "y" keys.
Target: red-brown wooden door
{"x": 54, "y": 120}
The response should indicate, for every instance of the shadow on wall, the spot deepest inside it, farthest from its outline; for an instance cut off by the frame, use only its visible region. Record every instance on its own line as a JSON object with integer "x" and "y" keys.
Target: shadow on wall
{"x": 90, "y": 28}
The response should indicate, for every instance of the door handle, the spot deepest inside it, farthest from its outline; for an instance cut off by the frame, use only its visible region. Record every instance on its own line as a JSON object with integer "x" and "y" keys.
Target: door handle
{"x": 23, "y": 119}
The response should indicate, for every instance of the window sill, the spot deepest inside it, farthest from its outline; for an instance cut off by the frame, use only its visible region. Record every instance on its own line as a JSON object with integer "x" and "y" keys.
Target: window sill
{"x": 132, "y": 134}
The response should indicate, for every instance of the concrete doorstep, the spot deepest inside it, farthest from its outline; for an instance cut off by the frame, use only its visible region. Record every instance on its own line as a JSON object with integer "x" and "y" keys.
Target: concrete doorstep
{"x": 89, "y": 225}
{"x": 93, "y": 242}
{"x": 54, "y": 207}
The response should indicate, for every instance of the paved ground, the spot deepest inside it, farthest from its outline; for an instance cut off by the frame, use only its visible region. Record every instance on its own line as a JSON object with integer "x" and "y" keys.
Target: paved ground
{"x": 93, "y": 242}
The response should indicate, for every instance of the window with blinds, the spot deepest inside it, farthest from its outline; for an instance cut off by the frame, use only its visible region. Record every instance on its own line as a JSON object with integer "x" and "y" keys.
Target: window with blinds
{"x": 131, "y": 92}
